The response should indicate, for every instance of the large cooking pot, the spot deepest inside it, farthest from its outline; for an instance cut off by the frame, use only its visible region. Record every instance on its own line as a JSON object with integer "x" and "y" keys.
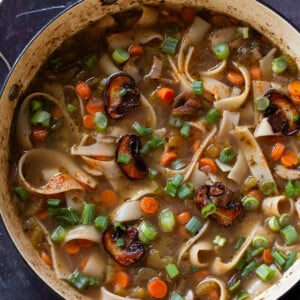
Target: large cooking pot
{"x": 67, "y": 24}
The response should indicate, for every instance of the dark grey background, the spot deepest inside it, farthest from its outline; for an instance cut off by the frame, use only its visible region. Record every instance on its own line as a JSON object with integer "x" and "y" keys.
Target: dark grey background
{"x": 19, "y": 22}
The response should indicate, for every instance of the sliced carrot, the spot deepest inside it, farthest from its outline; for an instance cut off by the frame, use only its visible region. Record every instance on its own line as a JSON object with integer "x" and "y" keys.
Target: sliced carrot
{"x": 208, "y": 164}
{"x": 196, "y": 146}
{"x": 235, "y": 78}
{"x": 277, "y": 151}
{"x": 83, "y": 90}
{"x": 39, "y": 134}
{"x": 42, "y": 215}
{"x": 188, "y": 14}
{"x": 122, "y": 279}
{"x": 85, "y": 243}
{"x": 88, "y": 121}
{"x": 213, "y": 294}
{"x": 72, "y": 247}
{"x": 183, "y": 217}
{"x": 166, "y": 95}
{"x": 94, "y": 105}
{"x": 83, "y": 263}
{"x": 167, "y": 158}
{"x": 294, "y": 88}
{"x": 136, "y": 50}
{"x": 289, "y": 159}
{"x": 267, "y": 256}
{"x": 256, "y": 193}
{"x": 46, "y": 258}
{"x": 255, "y": 72}
{"x": 108, "y": 197}
{"x": 149, "y": 205}
{"x": 157, "y": 288}
{"x": 295, "y": 99}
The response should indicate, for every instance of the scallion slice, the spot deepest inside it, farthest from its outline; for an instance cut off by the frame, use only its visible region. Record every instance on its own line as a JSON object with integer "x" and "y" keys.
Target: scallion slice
{"x": 82, "y": 282}
{"x": 64, "y": 216}
{"x": 292, "y": 189}
{"x": 278, "y": 258}
{"x": 122, "y": 92}
{"x": 260, "y": 241}
{"x": 219, "y": 241}
{"x": 21, "y": 193}
{"x": 244, "y": 31}
{"x": 197, "y": 87}
{"x": 274, "y": 224}
{"x": 170, "y": 189}
{"x": 58, "y": 234}
{"x": 53, "y": 202}
{"x": 142, "y": 131}
{"x": 167, "y": 220}
{"x": 177, "y": 164}
{"x": 235, "y": 286}
{"x": 176, "y": 296}
{"x": 240, "y": 264}
{"x": 169, "y": 45}
{"x": 227, "y": 155}
{"x": 120, "y": 55}
{"x": 88, "y": 214}
{"x": 185, "y": 130}
{"x": 147, "y": 232}
{"x": 290, "y": 234}
{"x": 222, "y": 51}
{"x": 250, "y": 203}
{"x": 41, "y": 117}
{"x": 185, "y": 191}
{"x": 101, "y": 223}
{"x": 290, "y": 260}
{"x": 71, "y": 108}
{"x": 152, "y": 174}
{"x": 193, "y": 225}
{"x": 89, "y": 61}
{"x": 212, "y": 116}
{"x": 208, "y": 209}
{"x": 120, "y": 242}
{"x": 123, "y": 159}
{"x": 248, "y": 269}
{"x": 279, "y": 65}
{"x": 284, "y": 220}
{"x": 239, "y": 242}
{"x": 172, "y": 28}
{"x": 262, "y": 103}
{"x": 172, "y": 270}
{"x": 36, "y": 105}
{"x": 156, "y": 142}
{"x": 100, "y": 122}
{"x": 264, "y": 272}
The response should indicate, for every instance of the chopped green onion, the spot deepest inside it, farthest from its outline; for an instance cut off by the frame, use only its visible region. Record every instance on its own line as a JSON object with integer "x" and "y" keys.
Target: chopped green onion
{"x": 36, "y": 105}
{"x": 142, "y": 131}
{"x": 197, "y": 87}
{"x": 274, "y": 224}
{"x": 284, "y": 220}
{"x": 208, "y": 209}
{"x": 122, "y": 92}
{"x": 41, "y": 117}
{"x": 124, "y": 159}
{"x": 118, "y": 225}
{"x": 89, "y": 61}
{"x": 193, "y": 225}
{"x": 248, "y": 269}
{"x": 147, "y": 232}
{"x": 21, "y": 193}
{"x": 219, "y": 241}
{"x": 290, "y": 234}
{"x": 172, "y": 270}
{"x": 120, "y": 55}
{"x": 156, "y": 142}
{"x": 170, "y": 189}
{"x": 176, "y": 296}
{"x": 296, "y": 118}
{"x": 82, "y": 282}
{"x": 250, "y": 203}
{"x": 195, "y": 269}
{"x": 177, "y": 180}
{"x": 64, "y": 216}
{"x": 177, "y": 164}
{"x": 268, "y": 187}
{"x": 264, "y": 272}
{"x": 221, "y": 51}
{"x": 120, "y": 242}
{"x": 227, "y": 155}
{"x": 290, "y": 260}
{"x": 279, "y": 65}
{"x": 172, "y": 28}
{"x": 101, "y": 223}
{"x": 176, "y": 122}
{"x": 167, "y": 220}
{"x": 242, "y": 295}
{"x": 71, "y": 108}
{"x": 292, "y": 189}
{"x": 185, "y": 191}
{"x": 185, "y": 130}
{"x": 53, "y": 202}
{"x": 257, "y": 251}
{"x": 262, "y": 103}
{"x": 240, "y": 264}
{"x": 234, "y": 287}
{"x": 260, "y": 241}
{"x": 239, "y": 242}
{"x": 152, "y": 174}
{"x": 244, "y": 31}
{"x": 100, "y": 121}
{"x": 212, "y": 116}
{"x": 145, "y": 148}
{"x": 278, "y": 258}
{"x": 88, "y": 214}
{"x": 169, "y": 45}
{"x": 58, "y": 234}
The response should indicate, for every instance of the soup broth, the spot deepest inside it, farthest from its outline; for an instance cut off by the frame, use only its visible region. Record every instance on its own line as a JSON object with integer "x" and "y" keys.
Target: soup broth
{"x": 155, "y": 155}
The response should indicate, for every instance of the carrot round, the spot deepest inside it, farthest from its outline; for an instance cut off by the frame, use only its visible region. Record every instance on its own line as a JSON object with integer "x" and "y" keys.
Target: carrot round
{"x": 277, "y": 151}
{"x": 235, "y": 78}
{"x": 122, "y": 280}
{"x": 39, "y": 134}
{"x": 136, "y": 50}
{"x": 255, "y": 72}
{"x": 85, "y": 243}
{"x": 183, "y": 217}
{"x": 88, "y": 121}
{"x": 267, "y": 256}
{"x": 166, "y": 95}
{"x": 94, "y": 106}
{"x": 208, "y": 164}
{"x": 83, "y": 90}
{"x": 72, "y": 247}
{"x": 167, "y": 158}
{"x": 294, "y": 88}
{"x": 149, "y": 205}
{"x": 42, "y": 215}
{"x": 289, "y": 159}
{"x": 46, "y": 258}
{"x": 108, "y": 197}
{"x": 188, "y": 14}
{"x": 157, "y": 288}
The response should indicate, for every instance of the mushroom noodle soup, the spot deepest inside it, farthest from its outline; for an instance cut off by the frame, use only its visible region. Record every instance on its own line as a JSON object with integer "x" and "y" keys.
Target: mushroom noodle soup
{"x": 155, "y": 155}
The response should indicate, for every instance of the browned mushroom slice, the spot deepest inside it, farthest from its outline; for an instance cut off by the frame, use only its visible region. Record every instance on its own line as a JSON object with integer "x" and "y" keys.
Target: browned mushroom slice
{"x": 130, "y": 251}
{"x": 185, "y": 106}
{"x": 228, "y": 208}
{"x": 128, "y": 158}
{"x": 282, "y": 114}
{"x": 120, "y": 95}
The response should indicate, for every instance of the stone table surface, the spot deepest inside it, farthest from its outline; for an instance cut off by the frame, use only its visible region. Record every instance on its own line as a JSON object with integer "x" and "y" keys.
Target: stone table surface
{"x": 19, "y": 21}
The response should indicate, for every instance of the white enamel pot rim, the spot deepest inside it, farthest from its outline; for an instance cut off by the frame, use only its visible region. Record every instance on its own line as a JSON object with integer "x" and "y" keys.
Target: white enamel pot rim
{"x": 65, "y": 25}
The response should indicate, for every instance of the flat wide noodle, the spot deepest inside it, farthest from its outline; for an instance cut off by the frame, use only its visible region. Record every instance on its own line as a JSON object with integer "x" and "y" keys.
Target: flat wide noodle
{"x": 75, "y": 199}
{"x": 106, "y": 295}
{"x": 286, "y": 173}
{"x": 85, "y": 232}
{"x": 95, "y": 266}
{"x": 199, "y": 249}
{"x": 240, "y": 169}
{"x": 152, "y": 119}
{"x": 271, "y": 206}
{"x": 221, "y": 284}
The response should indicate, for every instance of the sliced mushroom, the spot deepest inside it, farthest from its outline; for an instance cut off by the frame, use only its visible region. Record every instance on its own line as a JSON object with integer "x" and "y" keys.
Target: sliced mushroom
{"x": 131, "y": 68}
{"x": 130, "y": 145}
{"x": 185, "y": 106}
{"x": 131, "y": 252}
{"x": 281, "y": 113}
{"x": 228, "y": 208}
{"x": 117, "y": 104}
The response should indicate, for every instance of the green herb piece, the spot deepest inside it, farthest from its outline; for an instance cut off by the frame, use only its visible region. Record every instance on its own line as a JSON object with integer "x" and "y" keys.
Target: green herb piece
{"x": 185, "y": 130}
{"x": 274, "y": 224}
{"x": 167, "y": 220}
{"x": 155, "y": 143}
{"x": 197, "y": 87}
{"x": 100, "y": 122}
{"x": 101, "y": 223}
{"x": 240, "y": 264}
{"x": 120, "y": 242}
{"x": 279, "y": 65}
{"x": 222, "y": 51}
{"x": 268, "y": 188}
{"x": 290, "y": 260}
{"x": 82, "y": 282}
{"x": 58, "y": 235}
{"x": 53, "y": 202}
{"x": 235, "y": 286}
{"x": 169, "y": 45}
{"x": 89, "y": 61}
{"x": 296, "y": 118}
{"x": 36, "y": 105}
{"x": 152, "y": 174}
{"x": 248, "y": 269}
{"x": 21, "y": 193}
{"x": 219, "y": 241}
{"x": 290, "y": 234}
{"x": 208, "y": 209}
{"x": 244, "y": 31}
{"x": 239, "y": 242}
{"x": 260, "y": 241}
{"x": 124, "y": 159}
{"x": 193, "y": 225}
{"x": 120, "y": 55}
{"x": 147, "y": 232}
{"x": 212, "y": 116}
{"x": 172, "y": 28}
{"x": 257, "y": 251}
{"x": 88, "y": 214}
{"x": 292, "y": 189}
{"x": 227, "y": 155}
{"x": 177, "y": 164}
{"x": 64, "y": 216}
{"x": 172, "y": 270}
{"x": 71, "y": 108}
{"x": 41, "y": 117}
{"x": 185, "y": 191}
{"x": 284, "y": 220}
{"x": 264, "y": 272}
{"x": 118, "y": 225}
{"x": 250, "y": 203}
{"x": 278, "y": 258}
{"x": 262, "y": 103}
{"x": 122, "y": 92}
{"x": 141, "y": 131}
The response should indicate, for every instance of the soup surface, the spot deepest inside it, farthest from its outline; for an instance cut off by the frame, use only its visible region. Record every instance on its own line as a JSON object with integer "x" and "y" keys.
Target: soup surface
{"x": 155, "y": 155}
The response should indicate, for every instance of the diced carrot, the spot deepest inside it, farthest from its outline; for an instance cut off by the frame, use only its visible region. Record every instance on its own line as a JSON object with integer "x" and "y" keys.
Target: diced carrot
{"x": 183, "y": 217}
{"x": 295, "y": 99}
{"x": 294, "y": 88}
{"x": 122, "y": 280}
{"x": 235, "y": 78}
{"x": 267, "y": 256}
{"x": 200, "y": 274}
{"x": 94, "y": 105}
{"x": 166, "y": 95}
{"x": 85, "y": 243}
{"x": 196, "y": 146}
{"x": 136, "y": 50}
{"x": 289, "y": 159}
{"x": 83, "y": 263}
{"x": 42, "y": 215}
{"x": 88, "y": 121}
{"x": 256, "y": 193}
{"x": 277, "y": 151}
{"x": 72, "y": 247}
{"x": 83, "y": 90}
{"x": 188, "y": 14}
{"x": 208, "y": 164}
{"x": 46, "y": 258}
{"x": 213, "y": 294}
{"x": 255, "y": 72}
{"x": 108, "y": 197}
{"x": 167, "y": 158}
{"x": 149, "y": 205}
{"x": 39, "y": 134}
{"x": 157, "y": 288}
